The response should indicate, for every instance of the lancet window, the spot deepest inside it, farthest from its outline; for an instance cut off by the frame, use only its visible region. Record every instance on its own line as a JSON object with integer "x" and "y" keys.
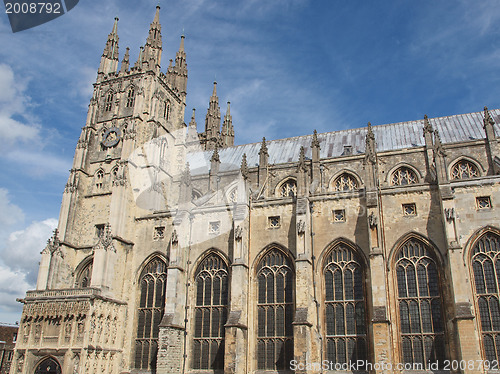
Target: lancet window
{"x": 85, "y": 276}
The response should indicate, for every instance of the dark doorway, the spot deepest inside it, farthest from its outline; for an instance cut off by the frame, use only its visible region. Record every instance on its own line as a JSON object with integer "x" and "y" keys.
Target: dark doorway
{"x": 48, "y": 366}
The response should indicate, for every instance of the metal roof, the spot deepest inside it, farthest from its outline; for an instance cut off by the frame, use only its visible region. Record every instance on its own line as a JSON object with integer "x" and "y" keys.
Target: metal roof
{"x": 456, "y": 128}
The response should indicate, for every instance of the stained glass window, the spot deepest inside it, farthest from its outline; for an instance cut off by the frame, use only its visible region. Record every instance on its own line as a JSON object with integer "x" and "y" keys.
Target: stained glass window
{"x": 151, "y": 307}
{"x": 210, "y": 313}
{"x": 344, "y": 309}
{"x": 275, "y": 279}
{"x": 420, "y": 304}
{"x": 345, "y": 182}
{"x": 464, "y": 169}
{"x": 403, "y": 176}
{"x": 486, "y": 269}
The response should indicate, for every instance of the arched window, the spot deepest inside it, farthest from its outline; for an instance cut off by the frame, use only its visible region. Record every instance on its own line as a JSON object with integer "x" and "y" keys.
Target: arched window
{"x": 288, "y": 188}
{"x": 151, "y": 307}
{"x": 85, "y": 276}
{"x": 486, "y": 269}
{"x": 464, "y": 169}
{"x": 345, "y": 182}
{"x": 233, "y": 195}
{"x": 275, "y": 311}
{"x": 345, "y": 307}
{"x": 48, "y": 366}
{"x": 108, "y": 104}
{"x": 130, "y": 97}
{"x": 420, "y": 304}
{"x": 210, "y": 313}
{"x": 403, "y": 176}
{"x": 99, "y": 179}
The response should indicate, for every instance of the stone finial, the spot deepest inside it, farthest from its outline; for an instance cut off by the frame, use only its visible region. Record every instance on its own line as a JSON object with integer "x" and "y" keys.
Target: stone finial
{"x": 263, "y": 148}
{"x": 125, "y": 61}
{"x": 487, "y": 121}
{"x": 186, "y": 175}
{"x": 53, "y": 243}
{"x": 302, "y": 160}
{"x": 370, "y": 149}
{"x": 244, "y": 166}
{"x": 427, "y": 125}
{"x": 301, "y": 227}
{"x": 438, "y": 146}
{"x": 315, "y": 141}
{"x": 215, "y": 156}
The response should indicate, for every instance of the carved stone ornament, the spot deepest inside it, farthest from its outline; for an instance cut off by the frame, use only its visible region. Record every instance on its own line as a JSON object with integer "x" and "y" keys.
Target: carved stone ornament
{"x": 238, "y": 233}
{"x": 20, "y": 363}
{"x": 449, "y": 214}
{"x": 106, "y": 239}
{"x": 175, "y": 237}
{"x": 301, "y": 227}
{"x": 372, "y": 220}
{"x": 53, "y": 244}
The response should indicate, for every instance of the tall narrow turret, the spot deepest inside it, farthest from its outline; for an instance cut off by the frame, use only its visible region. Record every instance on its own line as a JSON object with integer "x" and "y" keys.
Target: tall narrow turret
{"x": 109, "y": 58}
{"x": 227, "y": 133}
{"x": 178, "y": 73}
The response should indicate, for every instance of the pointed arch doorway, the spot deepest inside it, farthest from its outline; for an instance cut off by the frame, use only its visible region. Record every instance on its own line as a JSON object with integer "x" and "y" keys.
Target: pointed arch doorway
{"x": 48, "y": 366}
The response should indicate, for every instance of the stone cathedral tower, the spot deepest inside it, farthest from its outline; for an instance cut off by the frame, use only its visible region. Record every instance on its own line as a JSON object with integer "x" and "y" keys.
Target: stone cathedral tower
{"x": 371, "y": 248}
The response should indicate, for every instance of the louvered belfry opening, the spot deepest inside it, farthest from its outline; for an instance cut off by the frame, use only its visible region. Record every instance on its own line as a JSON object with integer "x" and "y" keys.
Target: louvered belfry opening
{"x": 345, "y": 306}
{"x": 420, "y": 304}
{"x": 151, "y": 308}
{"x": 486, "y": 269}
{"x": 275, "y": 311}
{"x": 210, "y": 313}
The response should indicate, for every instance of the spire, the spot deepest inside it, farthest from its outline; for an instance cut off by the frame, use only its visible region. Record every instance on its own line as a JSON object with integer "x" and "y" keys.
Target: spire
{"x": 315, "y": 147}
{"x": 212, "y": 121}
{"x": 263, "y": 148}
{"x": 227, "y": 133}
{"x": 153, "y": 47}
{"x": 125, "y": 62}
{"x": 109, "y": 59}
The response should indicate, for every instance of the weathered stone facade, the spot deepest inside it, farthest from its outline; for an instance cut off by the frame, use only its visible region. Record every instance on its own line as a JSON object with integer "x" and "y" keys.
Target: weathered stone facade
{"x": 177, "y": 252}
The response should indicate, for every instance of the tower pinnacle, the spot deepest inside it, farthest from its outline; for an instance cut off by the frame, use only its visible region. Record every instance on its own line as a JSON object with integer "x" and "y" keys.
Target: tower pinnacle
{"x": 109, "y": 59}
{"x": 153, "y": 47}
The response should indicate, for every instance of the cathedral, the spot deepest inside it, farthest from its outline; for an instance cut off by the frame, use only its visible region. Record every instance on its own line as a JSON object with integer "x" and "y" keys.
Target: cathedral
{"x": 369, "y": 250}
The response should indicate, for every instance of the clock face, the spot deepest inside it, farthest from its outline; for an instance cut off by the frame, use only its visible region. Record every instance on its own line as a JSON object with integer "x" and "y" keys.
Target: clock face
{"x": 111, "y": 137}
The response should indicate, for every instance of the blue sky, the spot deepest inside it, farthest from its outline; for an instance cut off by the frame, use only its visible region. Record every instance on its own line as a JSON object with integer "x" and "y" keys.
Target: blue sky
{"x": 287, "y": 66}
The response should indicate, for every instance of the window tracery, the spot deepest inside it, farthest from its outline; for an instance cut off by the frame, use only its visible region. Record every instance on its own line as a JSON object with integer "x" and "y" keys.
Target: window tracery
{"x": 288, "y": 188}
{"x": 403, "y": 176}
{"x": 345, "y": 182}
{"x": 486, "y": 272}
{"x": 344, "y": 309}
{"x": 275, "y": 311}
{"x": 420, "y": 304}
{"x": 151, "y": 307}
{"x": 85, "y": 275}
{"x": 210, "y": 313}
{"x": 464, "y": 169}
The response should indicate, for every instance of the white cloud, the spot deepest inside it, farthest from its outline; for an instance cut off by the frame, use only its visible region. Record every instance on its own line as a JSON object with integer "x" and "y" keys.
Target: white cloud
{"x": 22, "y": 249}
{"x": 15, "y": 122}
{"x": 10, "y": 214}
{"x": 14, "y": 286}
